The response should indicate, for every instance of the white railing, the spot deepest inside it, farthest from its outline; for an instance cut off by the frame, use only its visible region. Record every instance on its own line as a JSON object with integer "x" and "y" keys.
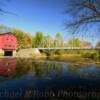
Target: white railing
{"x": 68, "y": 48}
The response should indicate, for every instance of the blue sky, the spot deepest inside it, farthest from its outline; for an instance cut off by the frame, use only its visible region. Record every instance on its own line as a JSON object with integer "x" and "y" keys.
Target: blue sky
{"x": 47, "y": 16}
{"x": 35, "y": 15}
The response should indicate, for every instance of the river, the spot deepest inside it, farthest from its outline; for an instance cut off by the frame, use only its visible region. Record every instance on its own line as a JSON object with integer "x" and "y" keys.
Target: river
{"x": 28, "y": 78}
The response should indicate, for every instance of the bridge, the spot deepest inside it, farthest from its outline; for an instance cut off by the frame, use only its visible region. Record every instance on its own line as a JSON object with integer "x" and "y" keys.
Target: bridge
{"x": 69, "y": 48}
{"x": 65, "y": 48}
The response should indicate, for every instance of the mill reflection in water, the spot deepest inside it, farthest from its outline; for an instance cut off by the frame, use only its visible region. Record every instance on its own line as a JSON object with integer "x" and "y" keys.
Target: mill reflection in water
{"x": 25, "y": 74}
{"x": 7, "y": 67}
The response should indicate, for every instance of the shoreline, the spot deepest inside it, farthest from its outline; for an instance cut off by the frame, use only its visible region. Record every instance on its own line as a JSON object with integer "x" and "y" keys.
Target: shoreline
{"x": 75, "y": 58}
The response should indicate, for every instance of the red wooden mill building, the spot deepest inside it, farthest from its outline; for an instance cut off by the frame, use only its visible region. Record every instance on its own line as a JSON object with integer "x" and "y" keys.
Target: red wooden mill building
{"x": 8, "y": 44}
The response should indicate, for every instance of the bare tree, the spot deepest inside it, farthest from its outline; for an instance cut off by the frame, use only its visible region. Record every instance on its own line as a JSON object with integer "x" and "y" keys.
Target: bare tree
{"x": 2, "y": 5}
{"x": 83, "y": 13}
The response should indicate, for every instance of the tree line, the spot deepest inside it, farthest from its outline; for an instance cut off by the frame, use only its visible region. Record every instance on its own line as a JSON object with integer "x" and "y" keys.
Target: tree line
{"x": 26, "y": 40}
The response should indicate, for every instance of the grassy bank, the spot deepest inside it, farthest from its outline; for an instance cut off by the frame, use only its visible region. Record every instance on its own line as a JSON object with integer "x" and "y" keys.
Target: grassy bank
{"x": 89, "y": 56}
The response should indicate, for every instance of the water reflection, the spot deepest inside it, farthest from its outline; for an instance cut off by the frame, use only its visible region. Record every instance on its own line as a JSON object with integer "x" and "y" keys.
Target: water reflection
{"x": 24, "y": 66}
{"x": 7, "y": 67}
{"x": 87, "y": 71}
{"x": 26, "y": 74}
{"x": 47, "y": 69}
{"x": 59, "y": 69}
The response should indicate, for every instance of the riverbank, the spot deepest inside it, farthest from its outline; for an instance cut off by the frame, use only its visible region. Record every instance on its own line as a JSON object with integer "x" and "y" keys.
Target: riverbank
{"x": 75, "y": 58}
{"x": 59, "y": 56}
{"x": 72, "y": 58}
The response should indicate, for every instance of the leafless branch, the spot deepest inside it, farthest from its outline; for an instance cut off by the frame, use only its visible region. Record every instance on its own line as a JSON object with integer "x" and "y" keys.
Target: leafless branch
{"x": 83, "y": 12}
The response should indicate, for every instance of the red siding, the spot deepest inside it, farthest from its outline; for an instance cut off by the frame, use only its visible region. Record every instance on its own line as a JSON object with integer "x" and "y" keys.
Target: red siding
{"x": 0, "y": 42}
{"x": 8, "y": 42}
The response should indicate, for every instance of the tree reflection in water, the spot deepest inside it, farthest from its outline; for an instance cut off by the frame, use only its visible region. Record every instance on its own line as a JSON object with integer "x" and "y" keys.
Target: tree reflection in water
{"x": 86, "y": 71}
{"x": 14, "y": 68}
{"x": 24, "y": 66}
{"x": 47, "y": 69}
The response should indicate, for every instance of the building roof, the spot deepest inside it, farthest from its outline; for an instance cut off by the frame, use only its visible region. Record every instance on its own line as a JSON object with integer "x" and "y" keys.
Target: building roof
{"x": 5, "y": 33}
